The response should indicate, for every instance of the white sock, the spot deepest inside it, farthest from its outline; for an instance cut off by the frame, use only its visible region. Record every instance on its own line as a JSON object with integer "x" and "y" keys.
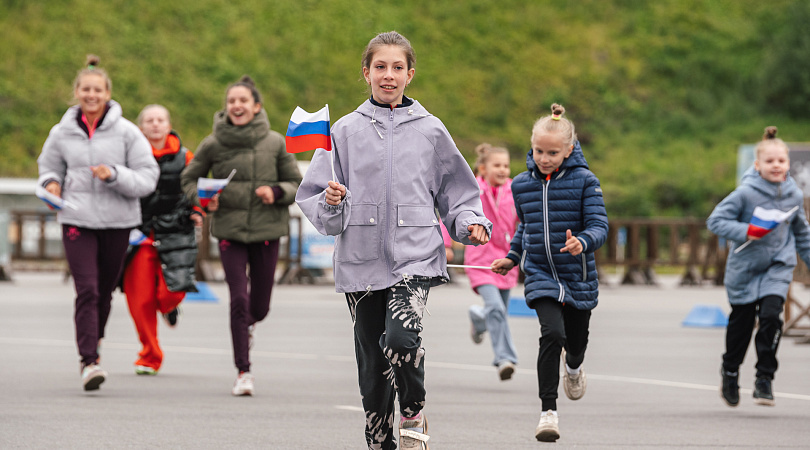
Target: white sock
{"x": 572, "y": 371}
{"x": 553, "y": 412}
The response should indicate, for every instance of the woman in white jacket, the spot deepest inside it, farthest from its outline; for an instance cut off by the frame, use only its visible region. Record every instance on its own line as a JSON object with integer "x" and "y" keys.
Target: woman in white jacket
{"x": 102, "y": 164}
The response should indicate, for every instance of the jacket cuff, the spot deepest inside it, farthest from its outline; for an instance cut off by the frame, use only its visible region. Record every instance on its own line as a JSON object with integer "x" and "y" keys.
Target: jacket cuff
{"x": 514, "y": 256}
{"x": 476, "y": 220}
{"x": 585, "y": 244}
{"x": 198, "y": 210}
{"x": 277, "y": 192}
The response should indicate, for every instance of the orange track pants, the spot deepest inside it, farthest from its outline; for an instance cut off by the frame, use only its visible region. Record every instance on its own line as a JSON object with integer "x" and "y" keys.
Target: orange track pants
{"x": 147, "y": 295}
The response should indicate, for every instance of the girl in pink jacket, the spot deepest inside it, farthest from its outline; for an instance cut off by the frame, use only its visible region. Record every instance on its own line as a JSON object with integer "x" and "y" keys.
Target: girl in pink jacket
{"x": 492, "y": 170}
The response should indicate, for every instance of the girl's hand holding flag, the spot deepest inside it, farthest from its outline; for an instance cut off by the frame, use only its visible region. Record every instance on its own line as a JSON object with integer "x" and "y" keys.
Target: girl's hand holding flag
{"x": 335, "y": 193}
{"x": 208, "y": 190}
{"x": 763, "y": 221}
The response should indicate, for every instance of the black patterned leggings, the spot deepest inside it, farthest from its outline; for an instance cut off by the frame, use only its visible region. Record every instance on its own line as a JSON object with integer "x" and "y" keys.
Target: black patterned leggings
{"x": 390, "y": 357}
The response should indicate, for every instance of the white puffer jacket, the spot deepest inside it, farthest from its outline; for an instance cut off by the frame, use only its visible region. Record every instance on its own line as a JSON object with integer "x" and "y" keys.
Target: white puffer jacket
{"x": 68, "y": 154}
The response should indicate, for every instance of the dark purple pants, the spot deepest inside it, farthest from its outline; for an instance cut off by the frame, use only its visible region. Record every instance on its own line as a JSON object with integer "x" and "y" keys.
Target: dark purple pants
{"x": 249, "y": 271}
{"x": 95, "y": 259}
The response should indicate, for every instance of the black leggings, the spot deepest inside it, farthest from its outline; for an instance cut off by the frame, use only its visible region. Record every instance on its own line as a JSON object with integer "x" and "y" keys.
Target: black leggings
{"x": 560, "y": 326}
{"x": 741, "y": 323}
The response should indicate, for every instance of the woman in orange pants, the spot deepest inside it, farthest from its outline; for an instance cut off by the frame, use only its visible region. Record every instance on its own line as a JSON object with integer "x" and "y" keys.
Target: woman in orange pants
{"x": 160, "y": 266}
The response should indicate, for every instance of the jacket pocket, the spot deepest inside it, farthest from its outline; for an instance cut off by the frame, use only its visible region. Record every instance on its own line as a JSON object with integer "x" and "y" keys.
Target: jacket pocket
{"x": 417, "y": 233}
{"x": 360, "y": 241}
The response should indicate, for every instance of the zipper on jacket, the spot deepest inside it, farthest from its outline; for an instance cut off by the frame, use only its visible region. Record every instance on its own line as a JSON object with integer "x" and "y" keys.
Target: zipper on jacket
{"x": 547, "y": 237}
{"x": 389, "y": 155}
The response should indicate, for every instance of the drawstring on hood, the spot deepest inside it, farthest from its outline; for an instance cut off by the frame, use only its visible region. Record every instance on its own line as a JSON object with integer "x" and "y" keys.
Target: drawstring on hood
{"x": 374, "y": 122}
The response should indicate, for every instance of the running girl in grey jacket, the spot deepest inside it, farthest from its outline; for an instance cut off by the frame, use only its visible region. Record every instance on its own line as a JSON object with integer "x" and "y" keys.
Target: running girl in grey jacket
{"x": 103, "y": 164}
{"x": 761, "y": 262}
{"x": 395, "y": 164}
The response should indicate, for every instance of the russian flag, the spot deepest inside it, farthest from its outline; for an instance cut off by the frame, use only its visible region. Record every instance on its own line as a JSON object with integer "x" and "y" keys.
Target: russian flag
{"x": 136, "y": 237}
{"x": 207, "y": 188}
{"x": 766, "y": 220}
{"x": 53, "y": 201}
{"x": 308, "y": 131}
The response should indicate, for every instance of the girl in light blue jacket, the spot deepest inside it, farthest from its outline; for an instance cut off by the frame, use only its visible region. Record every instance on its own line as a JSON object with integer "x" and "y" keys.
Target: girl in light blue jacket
{"x": 395, "y": 165}
{"x": 760, "y": 265}
{"x": 102, "y": 164}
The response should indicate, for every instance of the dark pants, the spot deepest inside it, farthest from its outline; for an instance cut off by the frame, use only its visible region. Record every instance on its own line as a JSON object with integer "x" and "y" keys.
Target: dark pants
{"x": 249, "y": 270}
{"x": 95, "y": 259}
{"x": 390, "y": 357}
{"x": 741, "y": 323}
{"x": 560, "y": 326}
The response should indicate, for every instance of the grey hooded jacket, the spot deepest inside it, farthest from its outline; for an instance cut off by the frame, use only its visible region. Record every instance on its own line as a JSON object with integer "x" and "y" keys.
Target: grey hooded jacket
{"x": 68, "y": 154}
{"x": 765, "y": 266}
{"x": 399, "y": 166}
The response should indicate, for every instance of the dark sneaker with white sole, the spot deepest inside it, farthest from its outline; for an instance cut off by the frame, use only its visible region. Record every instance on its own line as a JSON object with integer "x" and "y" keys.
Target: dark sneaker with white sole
{"x": 763, "y": 392}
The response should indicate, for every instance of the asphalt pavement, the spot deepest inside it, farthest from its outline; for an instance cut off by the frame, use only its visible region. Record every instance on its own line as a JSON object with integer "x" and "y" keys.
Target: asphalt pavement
{"x": 652, "y": 382}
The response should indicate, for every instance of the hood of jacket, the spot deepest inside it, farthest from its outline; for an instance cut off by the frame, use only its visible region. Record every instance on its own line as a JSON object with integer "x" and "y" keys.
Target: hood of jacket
{"x": 753, "y": 179}
{"x": 247, "y": 135}
{"x": 577, "y": 159}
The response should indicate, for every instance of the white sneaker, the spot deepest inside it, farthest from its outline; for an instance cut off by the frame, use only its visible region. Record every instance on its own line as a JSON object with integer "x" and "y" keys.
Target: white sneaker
{"x": 92, "y": 377}
{"x": 243, "y": 384}
{"x": 505, "y": 370}
{"x": 413, "y": 433}
{"x": 548, "y": 429}
{"x": 574, "y": 385}
{"x": 145, "y": 370}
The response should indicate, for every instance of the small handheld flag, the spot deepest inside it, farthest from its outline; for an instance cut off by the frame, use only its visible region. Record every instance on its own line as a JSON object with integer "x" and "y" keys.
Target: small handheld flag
{"x": 763, "y": 221}
{"x": 207, "y": 188}
{"x": 136, "y": 237}
{"x": 53, "y": 201}
{"x": 310, "y": 131}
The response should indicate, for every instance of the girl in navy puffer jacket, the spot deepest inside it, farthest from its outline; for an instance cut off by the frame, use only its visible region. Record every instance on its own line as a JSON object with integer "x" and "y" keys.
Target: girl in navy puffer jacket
{"x": 563, "y": 222}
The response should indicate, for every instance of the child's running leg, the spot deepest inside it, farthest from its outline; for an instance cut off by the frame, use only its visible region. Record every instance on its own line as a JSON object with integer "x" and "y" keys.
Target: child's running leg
{"x": 262, "y": 257}
{"x": 767, "y": 338}
{"x": 403, "y": 344}
{"x": 577, "y": 323}
{"x": 374, "y": 372}
{"x": 234, "y": 256}
{"x": 552, "y": 338}
{"x": 738, "y": 335}
{"x": 495, "y": 304}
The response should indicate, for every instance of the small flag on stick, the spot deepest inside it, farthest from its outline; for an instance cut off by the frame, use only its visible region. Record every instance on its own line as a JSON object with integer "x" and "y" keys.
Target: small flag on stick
{"x": 763, "y": 221}
{"x": 136, "y": 237}
{"x": 53, "y": 201}
{"x": 207, "y": 188}
{"x": 310, "y": 131}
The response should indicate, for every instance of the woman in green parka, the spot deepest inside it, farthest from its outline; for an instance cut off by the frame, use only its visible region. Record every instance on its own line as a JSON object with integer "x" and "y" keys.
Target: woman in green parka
{"x": 251, "y": 213}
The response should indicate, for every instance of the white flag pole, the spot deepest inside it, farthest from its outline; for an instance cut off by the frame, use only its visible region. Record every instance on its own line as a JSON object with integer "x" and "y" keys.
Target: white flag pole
{"x": 737, "y": 250}
{"x": 461, "y": 266}
{"x": 331, "y": 152}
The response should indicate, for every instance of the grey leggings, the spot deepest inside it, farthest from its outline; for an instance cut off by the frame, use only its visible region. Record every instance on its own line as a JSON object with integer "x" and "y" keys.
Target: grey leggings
{"x": 390, "y": 357}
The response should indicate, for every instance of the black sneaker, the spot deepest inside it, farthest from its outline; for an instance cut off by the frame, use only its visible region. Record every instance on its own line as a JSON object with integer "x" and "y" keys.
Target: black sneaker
{"x": 730, "y": 390}
{"x": 172, "y": 317}
{"x": 763, "y": 394}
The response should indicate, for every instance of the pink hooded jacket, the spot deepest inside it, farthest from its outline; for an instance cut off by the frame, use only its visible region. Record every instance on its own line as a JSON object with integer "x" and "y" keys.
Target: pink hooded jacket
{"x": 500, "y": 209}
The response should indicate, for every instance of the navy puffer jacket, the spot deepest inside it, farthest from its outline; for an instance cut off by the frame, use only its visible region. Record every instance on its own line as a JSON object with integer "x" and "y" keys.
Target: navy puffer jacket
{"x": 571, "y": 199}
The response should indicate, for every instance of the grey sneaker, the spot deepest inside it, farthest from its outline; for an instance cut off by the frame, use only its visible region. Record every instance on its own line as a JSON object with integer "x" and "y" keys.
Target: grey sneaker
{"x": 548, "y": 430}
{"x": 413, "y": 433}
{"x": 92, "y": 377}
{"x": 505, "y": 370}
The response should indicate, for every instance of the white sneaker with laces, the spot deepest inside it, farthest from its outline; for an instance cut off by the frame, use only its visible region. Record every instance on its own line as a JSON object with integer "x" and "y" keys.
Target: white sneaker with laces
{"x": 575, "y": 385}
{"x": 548, "y": 429}
{"x": 413, "y": 433}
{"x": 92, "y": 377}
{"x": 243, "y": 384}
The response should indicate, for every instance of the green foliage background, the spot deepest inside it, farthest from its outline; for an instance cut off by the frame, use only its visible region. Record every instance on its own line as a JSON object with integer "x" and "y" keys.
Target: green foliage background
{"x": 661, "y": 92}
